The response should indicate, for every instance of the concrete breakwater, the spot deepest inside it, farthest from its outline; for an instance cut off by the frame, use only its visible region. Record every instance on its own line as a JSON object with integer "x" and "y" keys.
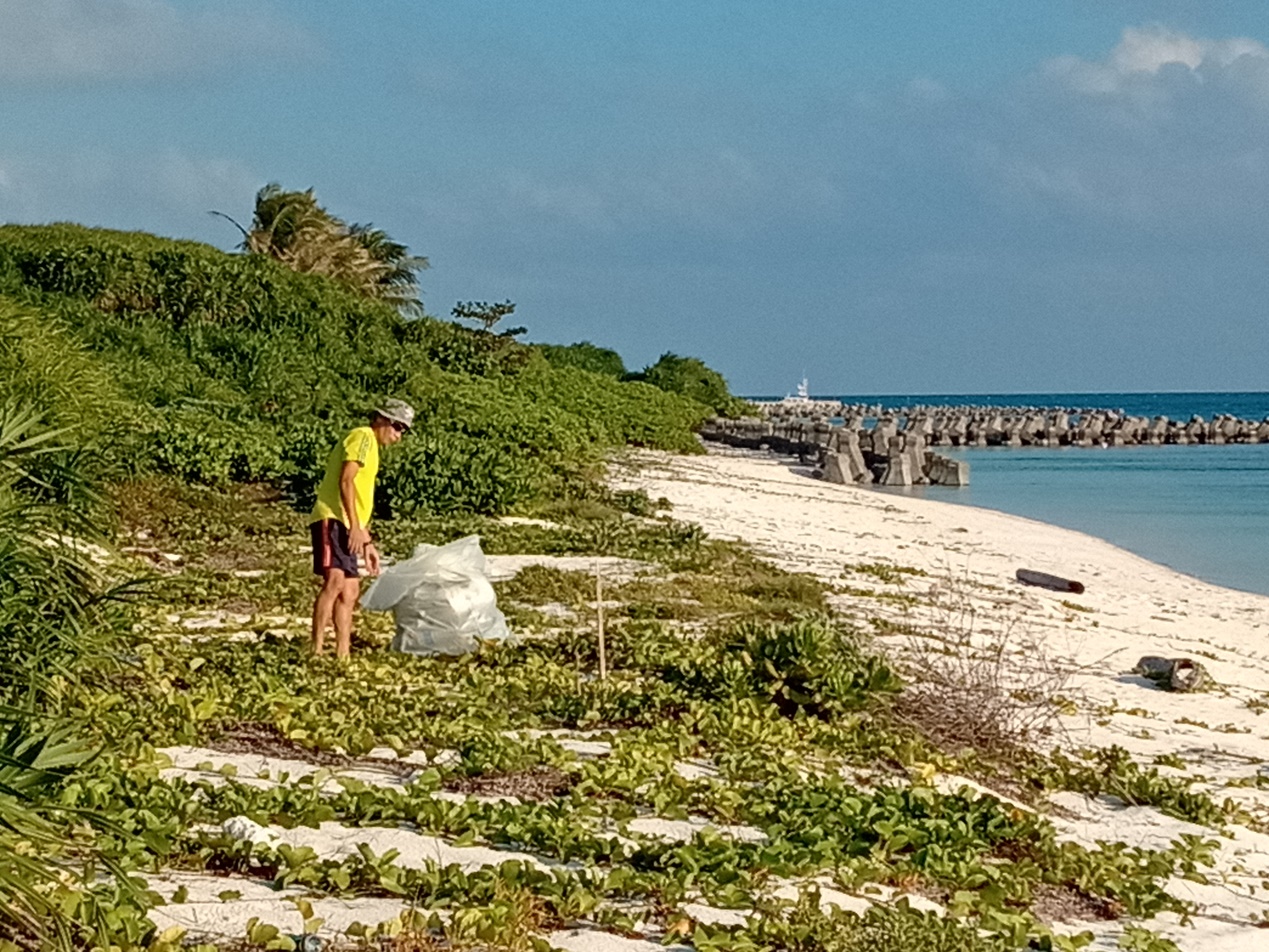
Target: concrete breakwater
{"x": 1026, "y": 426}
{"x": 883, "y": 455}
{"x": 898, "y": 448}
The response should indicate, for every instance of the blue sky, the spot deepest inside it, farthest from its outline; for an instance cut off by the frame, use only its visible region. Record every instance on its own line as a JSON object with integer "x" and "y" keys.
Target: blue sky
{"x": 1020, "y": 195}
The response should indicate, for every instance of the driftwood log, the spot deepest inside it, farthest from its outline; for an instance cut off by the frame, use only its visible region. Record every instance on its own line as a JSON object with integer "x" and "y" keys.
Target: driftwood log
{"x": 1052, "y": 582}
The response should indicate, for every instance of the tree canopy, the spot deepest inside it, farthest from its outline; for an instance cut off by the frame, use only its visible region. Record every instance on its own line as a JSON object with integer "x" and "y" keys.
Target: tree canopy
{"x": 693, "y": 379}
{"x": 291, "y": 227}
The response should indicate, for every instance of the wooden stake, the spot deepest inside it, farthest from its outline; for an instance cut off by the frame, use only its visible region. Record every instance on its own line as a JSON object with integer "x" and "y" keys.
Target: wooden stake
{"x": 599, "y": 616}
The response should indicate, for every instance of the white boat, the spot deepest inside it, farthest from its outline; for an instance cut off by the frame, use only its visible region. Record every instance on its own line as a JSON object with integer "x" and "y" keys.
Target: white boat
{"x": 803, "y": 394}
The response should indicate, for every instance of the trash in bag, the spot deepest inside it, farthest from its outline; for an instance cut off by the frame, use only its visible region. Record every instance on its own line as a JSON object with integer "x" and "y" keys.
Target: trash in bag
{"x": 441, "y": 599}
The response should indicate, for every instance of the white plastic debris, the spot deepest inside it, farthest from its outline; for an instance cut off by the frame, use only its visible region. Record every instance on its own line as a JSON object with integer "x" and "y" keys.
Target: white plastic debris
{"x": 441, "y": 598}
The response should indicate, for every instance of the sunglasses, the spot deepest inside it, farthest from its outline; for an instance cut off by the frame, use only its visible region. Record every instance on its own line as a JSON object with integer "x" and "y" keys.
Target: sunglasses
{"x": 400, "y": 427}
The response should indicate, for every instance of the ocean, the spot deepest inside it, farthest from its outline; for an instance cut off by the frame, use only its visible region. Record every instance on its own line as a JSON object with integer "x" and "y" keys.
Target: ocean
{"x": 1202, "y": 510}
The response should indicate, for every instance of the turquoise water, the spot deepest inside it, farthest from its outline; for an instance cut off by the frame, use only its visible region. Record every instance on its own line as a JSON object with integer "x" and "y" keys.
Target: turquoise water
{"x": 1203, "y": 510}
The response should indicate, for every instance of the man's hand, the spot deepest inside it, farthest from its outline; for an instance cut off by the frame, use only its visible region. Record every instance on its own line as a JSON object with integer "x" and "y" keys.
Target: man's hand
{"x": 358, "y": 539}
{"x": 372, "y": 558}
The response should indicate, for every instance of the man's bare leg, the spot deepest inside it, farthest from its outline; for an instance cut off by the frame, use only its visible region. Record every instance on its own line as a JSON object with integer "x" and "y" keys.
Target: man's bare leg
{"x": 324, "y": 607}
{"x": 344, "y": 615}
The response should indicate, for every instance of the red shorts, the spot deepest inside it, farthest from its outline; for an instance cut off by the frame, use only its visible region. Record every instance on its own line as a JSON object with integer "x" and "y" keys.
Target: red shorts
{"x": 330, "y": 548}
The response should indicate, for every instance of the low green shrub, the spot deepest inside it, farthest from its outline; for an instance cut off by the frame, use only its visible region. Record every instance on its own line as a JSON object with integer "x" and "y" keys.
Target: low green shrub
{"x": 585, "y": 356}
{"x": 43, "y": 364}
{"x": 690, "y": 377}
{"x": 637, "y": 502}
{"x": 199, "y": 446}
{"x": 541, "y": 584}
{"x": 1112, "y": 771}
{"x": 180, "y": 282}
{"x": 806, "y": 667}
{"x": 437, "y": 473}
{"x": 808, "y": 927}
{"x": 462, "y": 350}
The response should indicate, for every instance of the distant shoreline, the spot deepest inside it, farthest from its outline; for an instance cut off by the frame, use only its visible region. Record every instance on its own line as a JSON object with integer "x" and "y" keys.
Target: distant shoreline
{"x": 1247, "y": 404}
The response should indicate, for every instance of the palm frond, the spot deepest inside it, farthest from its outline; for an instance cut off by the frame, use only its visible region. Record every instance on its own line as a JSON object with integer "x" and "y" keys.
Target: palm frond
{"x": 291, "y": 227}
{"x": 18, "y": 443}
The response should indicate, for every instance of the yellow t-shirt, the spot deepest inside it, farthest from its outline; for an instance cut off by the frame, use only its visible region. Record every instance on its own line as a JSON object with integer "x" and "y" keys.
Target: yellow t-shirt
{"x": 358, "y": 446}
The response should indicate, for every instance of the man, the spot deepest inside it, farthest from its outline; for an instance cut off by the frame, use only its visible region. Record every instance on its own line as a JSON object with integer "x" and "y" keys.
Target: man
{"x": 345, "y": 500}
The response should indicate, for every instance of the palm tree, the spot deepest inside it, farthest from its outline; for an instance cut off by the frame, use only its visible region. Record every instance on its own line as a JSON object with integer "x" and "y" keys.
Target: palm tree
{"x": 394, "y": 270}
{"x": 292, "y": 228}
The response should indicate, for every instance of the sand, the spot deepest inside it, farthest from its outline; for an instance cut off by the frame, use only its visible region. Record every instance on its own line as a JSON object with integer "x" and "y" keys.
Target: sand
{"x": 967, "y": 594}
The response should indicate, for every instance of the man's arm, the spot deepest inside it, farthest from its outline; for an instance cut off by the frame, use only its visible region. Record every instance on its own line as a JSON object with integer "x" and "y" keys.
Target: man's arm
{"x": 358, "y": 535}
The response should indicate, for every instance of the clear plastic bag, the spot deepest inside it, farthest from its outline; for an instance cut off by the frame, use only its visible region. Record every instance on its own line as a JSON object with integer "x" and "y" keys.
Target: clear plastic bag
{"x": 441, "y": 599}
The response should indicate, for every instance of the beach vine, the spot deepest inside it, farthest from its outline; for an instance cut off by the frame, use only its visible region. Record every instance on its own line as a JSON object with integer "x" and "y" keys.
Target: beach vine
{"x": 149, "y": 608}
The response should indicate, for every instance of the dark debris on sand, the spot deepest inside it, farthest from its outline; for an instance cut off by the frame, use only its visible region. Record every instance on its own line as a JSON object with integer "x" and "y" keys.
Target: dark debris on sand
{"x": 259, "y": 737}
{"x": 1066, "y": 903}
{"x": 539, "y": 782}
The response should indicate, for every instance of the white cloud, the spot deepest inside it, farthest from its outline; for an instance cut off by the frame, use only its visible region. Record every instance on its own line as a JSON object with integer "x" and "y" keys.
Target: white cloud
{"x": 1147, "y": 51}
{"x": 1143, "y": 52}
{"x": 1163, "y": 139}
{"x": 99, "y": 40}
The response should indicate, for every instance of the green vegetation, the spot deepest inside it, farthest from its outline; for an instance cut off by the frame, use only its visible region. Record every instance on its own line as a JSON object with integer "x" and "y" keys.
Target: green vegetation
{"x": 1112, "y": 771}
{"x": 163, "y": 407}
{"x": 217, "y": 368}
{"x": 782, "y": 703}
{"x": 43, "y": 365}
{"x": 54, "y": 599}
{"x": 884, "y": 572}
{"x": 691, "y": 378}
{"x": 1075, "y": 606}
{"x": 487, "y": 315}
{"x": 687, "y": 376}
{"x": 585, "y": 356}
{"x": 56, "y": 618}
{"x": 808, "y": 667}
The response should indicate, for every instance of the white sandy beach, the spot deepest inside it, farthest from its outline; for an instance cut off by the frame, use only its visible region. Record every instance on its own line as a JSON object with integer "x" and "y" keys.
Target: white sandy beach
{"x": 1131, "y": 607}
